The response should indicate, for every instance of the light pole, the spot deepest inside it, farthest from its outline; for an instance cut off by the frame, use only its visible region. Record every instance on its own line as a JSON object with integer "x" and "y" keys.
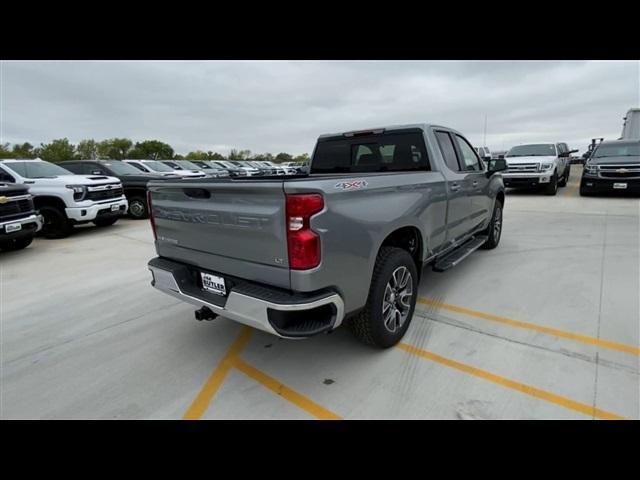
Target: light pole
{"x": 484, "y": 142}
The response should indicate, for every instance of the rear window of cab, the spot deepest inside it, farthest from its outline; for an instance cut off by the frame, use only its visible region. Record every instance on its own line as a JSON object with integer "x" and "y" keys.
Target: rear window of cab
{"x": 387, "y": 152}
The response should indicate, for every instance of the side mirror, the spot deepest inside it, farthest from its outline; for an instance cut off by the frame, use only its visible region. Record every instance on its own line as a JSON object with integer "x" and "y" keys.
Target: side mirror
{"x": 573, "y": 151}
{"x": 497, "y": 165}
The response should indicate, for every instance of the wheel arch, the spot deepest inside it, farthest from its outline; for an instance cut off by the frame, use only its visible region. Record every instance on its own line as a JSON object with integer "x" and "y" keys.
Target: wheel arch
{"x": 48, "y": 201}
{"x": 131, "y": 192}
{"x": 409, "y": 238}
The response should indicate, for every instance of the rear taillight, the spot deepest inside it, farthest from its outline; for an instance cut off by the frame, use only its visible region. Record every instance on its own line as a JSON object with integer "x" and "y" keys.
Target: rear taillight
{"x": 303, "y": 243}
{"x": 151, "y": 219}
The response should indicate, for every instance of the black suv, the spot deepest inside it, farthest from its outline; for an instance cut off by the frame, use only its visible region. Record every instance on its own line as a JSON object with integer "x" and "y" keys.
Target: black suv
{"x": 19, "y": 220}
{"x": 614, "y": 166}
{"x": 133, "y": 180}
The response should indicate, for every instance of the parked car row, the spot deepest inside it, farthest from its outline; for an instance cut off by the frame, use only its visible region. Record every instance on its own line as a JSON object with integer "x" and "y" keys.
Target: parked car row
{"x": 609, "y": 165}
{"x": 212, "y": 168}
{"x": 39, "y": 196}
{"x": 62, "y": 198}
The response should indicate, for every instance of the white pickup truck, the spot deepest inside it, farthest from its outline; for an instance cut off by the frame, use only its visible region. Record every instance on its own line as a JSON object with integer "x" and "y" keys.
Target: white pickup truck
{"x": 64, "y": 199}
{"x": 545, "y": 165}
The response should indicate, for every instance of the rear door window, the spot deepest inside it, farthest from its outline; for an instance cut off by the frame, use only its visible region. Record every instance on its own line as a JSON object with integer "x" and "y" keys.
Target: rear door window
{"x": 371, "y": 153}
{"x": 448, "y": 151}
{"x": 76, "y": 168}
{"x": 138, "y": 166}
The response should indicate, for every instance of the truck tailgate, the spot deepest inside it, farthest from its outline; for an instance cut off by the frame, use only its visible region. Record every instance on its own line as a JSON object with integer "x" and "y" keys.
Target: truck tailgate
{"x": 231, "y": 227}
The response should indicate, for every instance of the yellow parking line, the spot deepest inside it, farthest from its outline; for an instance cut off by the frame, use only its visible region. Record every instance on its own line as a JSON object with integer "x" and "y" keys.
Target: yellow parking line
{"x": 278, "y": 388}
{"x": 210, "y": 388}
{"x": 621, "y": 347}
{"x": 505, "y": 382}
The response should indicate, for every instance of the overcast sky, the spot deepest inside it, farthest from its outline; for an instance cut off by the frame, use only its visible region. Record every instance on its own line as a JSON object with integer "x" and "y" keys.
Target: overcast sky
{"x": 277, "y": 106}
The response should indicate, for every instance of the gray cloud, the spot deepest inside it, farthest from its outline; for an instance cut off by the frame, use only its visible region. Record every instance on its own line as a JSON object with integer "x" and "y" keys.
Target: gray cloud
{"x": 274, "y": 106}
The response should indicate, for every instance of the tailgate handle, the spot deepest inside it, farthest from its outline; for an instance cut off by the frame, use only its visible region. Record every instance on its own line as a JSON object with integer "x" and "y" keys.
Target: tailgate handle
{"x": 197, "y": 192}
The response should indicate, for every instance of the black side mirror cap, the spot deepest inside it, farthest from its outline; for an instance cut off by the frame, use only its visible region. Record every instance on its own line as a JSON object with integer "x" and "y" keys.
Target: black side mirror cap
{"x": 497, "y": 165}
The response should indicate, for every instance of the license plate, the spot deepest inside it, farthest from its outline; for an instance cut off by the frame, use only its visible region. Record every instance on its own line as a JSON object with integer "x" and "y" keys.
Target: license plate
{"x": 115, "y": 207}
{"x": 213, "y": 284}
{"x": 619, "y": 186}
{"x": 13, "y": 227}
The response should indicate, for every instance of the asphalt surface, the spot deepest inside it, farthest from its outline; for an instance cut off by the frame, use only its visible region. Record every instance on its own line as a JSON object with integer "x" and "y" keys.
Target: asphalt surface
{"x": 546, "y": 326}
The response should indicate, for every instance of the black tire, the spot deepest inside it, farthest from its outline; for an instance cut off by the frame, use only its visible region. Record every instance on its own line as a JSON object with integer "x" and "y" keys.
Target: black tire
{"x": 16, "y": 244}
{"x": 138, "y": 208}
{"x": 56, "y": 224}
{"x": 105, "y": 222}
{"x": 565, "y": 177}
{"x": 494, "y": 230}
{"x": 369, "y": 326}
{"x": 552, "y": 188}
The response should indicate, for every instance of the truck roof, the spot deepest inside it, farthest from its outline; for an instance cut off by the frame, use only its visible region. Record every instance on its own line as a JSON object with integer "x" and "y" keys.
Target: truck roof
{"x": 8, "y": 160}
{"x": 421, "y": 126}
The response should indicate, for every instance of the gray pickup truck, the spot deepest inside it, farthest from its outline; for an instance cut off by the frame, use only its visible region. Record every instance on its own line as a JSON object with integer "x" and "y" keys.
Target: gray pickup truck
{"x": 345, "y": 243}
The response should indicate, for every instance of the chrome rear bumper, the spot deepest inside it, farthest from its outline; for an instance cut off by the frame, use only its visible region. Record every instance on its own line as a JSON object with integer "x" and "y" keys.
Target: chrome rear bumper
{"x": 287, "y": 319}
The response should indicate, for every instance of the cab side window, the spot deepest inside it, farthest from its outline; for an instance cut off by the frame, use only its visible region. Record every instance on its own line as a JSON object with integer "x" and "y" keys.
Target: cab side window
{"x": 470, "y": 159}
{"x": 448, "y": 150}
{"x": 5, "y": 177}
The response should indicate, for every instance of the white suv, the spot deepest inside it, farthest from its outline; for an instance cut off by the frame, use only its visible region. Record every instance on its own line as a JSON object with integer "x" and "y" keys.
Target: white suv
{"x": 65, "y": 199}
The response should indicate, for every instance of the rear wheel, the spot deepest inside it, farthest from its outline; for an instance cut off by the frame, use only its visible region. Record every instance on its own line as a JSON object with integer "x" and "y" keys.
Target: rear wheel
{"x": 56, "y": 224}
{"x": 16, "y": 244}
{"x": 105, "y": 222}
{"x": 138, "y": 208}
{"x": 391, "y": 302}
{"x": 552, "y": 188}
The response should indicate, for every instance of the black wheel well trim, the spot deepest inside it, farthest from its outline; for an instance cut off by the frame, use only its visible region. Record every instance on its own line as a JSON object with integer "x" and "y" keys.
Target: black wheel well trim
{"x": 40, "y": 201}
{"x": 135, "y": 192}
{"x": 401, "y": 238}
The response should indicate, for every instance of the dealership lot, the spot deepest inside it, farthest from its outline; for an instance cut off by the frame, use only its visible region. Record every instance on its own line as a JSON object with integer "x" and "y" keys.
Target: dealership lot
{"x": 545, "y": 326}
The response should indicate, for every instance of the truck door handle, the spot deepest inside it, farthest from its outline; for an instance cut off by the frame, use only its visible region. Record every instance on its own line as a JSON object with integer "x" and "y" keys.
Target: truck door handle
{"x": 455, "y": 187}
{"x": 475, "y": 183}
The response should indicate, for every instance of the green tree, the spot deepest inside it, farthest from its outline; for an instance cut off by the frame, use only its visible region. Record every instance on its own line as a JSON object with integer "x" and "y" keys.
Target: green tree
{"x": 263, "y": 157}
{"x": 5, "y": 152}
{"x": 151, "y": 150}
{"x": 239, "y": 154}
{"x": 283, "y": 157}
{"x": 114, "y": 148}
{"x": 304, "y": 158}
{"x": 24, "y": 150}
{"x": 177, "y": 156}
{"x": 215, "y": 156}
{"x": 58, "y": 150}
{"x": 197, "y": 155}
{"x": 87, "y": 150}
